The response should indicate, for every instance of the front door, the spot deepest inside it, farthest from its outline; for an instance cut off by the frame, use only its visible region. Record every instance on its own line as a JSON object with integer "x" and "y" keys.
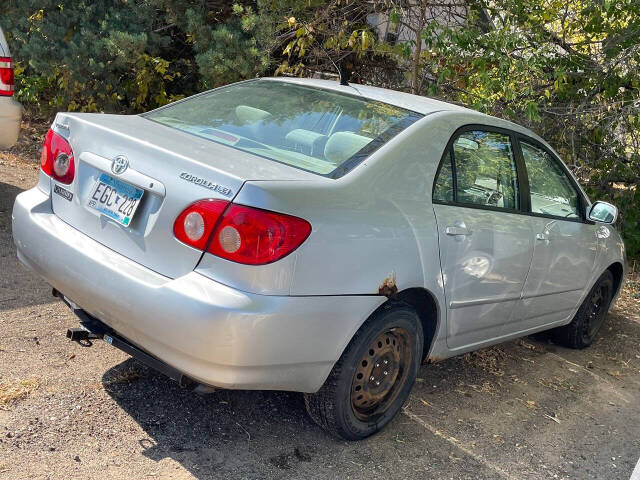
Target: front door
{"x": 485, "y": 243}
{"x": 565, "y": 245}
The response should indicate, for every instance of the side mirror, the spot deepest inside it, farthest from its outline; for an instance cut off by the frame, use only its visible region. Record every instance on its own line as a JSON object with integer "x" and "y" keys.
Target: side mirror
{"x": 603, "y": 212}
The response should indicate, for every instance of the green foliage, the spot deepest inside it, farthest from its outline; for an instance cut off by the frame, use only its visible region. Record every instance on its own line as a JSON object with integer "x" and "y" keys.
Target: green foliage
{"x": 77, "y": 49}
{"x": 569, "y": 70}
{"x": 231, "y": 51}
{"x": 322, "y": 35}
{"x": 122, "y": 55}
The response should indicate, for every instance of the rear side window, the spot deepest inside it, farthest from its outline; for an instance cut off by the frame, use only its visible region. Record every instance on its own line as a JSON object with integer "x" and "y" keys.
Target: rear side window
{"x": 552, "y": 193}
{"x": 481, "y": 171}
{"x": 443, "y": 189}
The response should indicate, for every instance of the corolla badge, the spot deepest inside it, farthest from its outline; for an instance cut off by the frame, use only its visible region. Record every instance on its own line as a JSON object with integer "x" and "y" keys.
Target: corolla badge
{"x": 203, "y": 182}
{"x": 119, "y": 164}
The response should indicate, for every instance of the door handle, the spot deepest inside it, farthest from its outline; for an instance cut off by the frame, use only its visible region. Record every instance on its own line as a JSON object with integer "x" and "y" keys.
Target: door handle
{"x": 457, "y": 230}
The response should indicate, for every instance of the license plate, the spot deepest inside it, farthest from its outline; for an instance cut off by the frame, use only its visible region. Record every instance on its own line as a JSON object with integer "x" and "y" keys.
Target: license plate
{"x": 115, "y": 199}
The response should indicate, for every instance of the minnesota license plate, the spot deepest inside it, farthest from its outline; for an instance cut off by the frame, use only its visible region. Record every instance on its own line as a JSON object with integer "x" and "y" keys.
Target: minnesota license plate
{"x": 115, "y": 199}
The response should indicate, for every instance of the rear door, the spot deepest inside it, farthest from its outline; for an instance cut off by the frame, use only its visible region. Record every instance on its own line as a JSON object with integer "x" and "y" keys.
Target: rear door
{"x": 565, "y": 243}
{"x": 485, "y": 243}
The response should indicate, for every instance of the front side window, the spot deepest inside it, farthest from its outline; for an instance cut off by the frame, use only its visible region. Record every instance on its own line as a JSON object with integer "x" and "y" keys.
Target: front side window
{"x": 485, "y": 171}
{"x": 552, "y": 193}
{"x": 321, "y": 131}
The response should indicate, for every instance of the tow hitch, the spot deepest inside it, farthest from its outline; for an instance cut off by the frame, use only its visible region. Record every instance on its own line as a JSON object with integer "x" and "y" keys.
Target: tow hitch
{"x": 78, "y": 334}
{"x": 91, "y": 328}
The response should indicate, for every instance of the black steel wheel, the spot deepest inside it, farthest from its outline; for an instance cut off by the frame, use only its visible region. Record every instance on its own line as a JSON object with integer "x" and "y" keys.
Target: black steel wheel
{"x": 381, "y": 373}
{"x": 374, "y": 376}
{"x": 590, "y": 317}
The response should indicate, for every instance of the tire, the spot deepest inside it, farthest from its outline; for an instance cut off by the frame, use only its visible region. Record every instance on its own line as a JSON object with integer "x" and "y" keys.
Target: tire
{"x": 373, "y": 377}
{"x": 589, "y": 318}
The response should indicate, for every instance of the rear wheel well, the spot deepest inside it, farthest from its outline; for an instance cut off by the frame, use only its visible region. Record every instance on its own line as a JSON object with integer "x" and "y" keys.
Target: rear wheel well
{"x": 426, "y": 306}
{"x": 617, "y": 271}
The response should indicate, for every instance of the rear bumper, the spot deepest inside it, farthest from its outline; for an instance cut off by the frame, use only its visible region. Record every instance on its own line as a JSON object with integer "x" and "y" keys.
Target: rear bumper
{"x": 212, "y": 333}
{"x": 94, "y": 328}
{"x": 10, "y": 118}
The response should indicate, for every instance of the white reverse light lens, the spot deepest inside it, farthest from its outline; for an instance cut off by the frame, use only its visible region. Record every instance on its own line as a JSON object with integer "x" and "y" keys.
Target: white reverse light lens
{"x": 194, "y": 226}
{"x": 229, "y": 239}
{"x": 61, "y": 164}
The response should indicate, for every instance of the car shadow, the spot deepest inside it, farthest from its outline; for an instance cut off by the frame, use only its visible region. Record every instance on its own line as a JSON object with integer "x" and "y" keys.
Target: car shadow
{"x": 267, "y": 434}
{"x": 19, "y": 287}
{"x": 236, "y": 434}
{"x": 224, "y": 434}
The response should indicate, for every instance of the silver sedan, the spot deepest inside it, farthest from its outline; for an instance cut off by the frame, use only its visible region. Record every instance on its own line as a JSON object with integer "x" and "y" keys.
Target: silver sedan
{"x": 304, "y": 235}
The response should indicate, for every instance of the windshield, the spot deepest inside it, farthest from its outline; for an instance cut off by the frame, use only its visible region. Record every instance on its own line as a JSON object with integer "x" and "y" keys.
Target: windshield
{"x": 317, "y": 130}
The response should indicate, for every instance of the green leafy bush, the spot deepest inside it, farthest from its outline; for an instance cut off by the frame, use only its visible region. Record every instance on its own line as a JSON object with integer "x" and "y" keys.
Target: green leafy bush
{"x": 123, "y": 55}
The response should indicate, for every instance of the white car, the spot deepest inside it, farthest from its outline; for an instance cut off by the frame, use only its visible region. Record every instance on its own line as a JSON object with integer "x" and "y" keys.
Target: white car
{"x": 304, "y": 235}
{"x": 10, "y": 109}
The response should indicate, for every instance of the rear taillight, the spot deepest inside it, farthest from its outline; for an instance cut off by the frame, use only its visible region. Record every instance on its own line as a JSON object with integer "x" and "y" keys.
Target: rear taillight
{"x": 239, "y": 233}
{"x": 255, "y": 237}
{"x": 6, "y": 77}
{"x": 56, "y": 158}
{"x": 195, "y": 225}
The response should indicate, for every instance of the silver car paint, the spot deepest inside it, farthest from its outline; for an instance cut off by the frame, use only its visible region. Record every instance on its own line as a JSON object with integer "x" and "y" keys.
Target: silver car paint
{"x": 562, "y": 267}
{"x": 283, "y": 325}
{"x": 485, "y": 256}
{"x": 157, "y": 156}
{"x": 216, "y": 334}
{"x": 10, "y": 109}
{"x": 377, "y": 210}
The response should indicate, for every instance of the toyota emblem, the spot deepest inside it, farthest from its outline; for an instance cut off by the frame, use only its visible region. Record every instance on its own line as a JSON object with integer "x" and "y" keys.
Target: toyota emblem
{"x": 119, "y": 164}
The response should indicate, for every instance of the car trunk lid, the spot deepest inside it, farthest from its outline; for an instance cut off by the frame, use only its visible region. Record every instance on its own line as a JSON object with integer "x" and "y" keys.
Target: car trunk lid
{"x": 172, "y": 168}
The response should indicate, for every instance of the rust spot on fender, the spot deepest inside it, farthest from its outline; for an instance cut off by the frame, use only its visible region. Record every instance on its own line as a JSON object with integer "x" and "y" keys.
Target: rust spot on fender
{"x": 388, "y": 286}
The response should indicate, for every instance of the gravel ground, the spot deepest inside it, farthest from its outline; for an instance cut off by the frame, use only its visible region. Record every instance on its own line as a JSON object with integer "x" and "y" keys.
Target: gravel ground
{"x": 522, "y": 410}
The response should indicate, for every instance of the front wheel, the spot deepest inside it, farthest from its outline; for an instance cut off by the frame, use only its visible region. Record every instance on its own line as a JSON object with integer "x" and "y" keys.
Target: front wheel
{"x": 589, "y": 318}
{"x": 374, "y": 376}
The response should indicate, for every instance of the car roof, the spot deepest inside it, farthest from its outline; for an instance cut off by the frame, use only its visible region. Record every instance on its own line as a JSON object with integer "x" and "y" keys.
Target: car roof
{"x": 416, "y": 103}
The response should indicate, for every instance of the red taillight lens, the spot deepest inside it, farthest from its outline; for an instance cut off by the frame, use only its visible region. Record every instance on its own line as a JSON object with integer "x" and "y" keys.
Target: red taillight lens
{"x": 238, "y": 233}
{"x": 6, "y": 76}
{"x": 195, "y": 225}
{"x": 256, "y": 237}
{"x": 56, "y": 158}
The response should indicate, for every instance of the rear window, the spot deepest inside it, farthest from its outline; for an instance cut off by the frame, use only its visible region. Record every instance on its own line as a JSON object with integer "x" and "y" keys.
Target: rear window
{"x": 317, "y": 130}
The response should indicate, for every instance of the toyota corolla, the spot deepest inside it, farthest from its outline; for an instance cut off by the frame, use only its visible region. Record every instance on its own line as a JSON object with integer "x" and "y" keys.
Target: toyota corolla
{"x": 303, "y": 235}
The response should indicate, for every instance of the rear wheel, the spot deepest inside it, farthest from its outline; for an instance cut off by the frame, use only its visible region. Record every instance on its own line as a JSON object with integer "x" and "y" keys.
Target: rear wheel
{"x": 374, "y": 376}
{"x": 590, "y": 317}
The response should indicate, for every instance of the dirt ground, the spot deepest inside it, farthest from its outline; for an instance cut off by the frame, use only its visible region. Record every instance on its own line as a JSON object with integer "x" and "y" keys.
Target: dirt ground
{"x": 522, "y": 410}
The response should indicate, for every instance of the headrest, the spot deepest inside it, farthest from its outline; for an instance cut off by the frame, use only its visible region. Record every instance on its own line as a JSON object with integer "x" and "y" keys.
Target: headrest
{"x": 249, "y": 114}
{"x": 343, "y": 145}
